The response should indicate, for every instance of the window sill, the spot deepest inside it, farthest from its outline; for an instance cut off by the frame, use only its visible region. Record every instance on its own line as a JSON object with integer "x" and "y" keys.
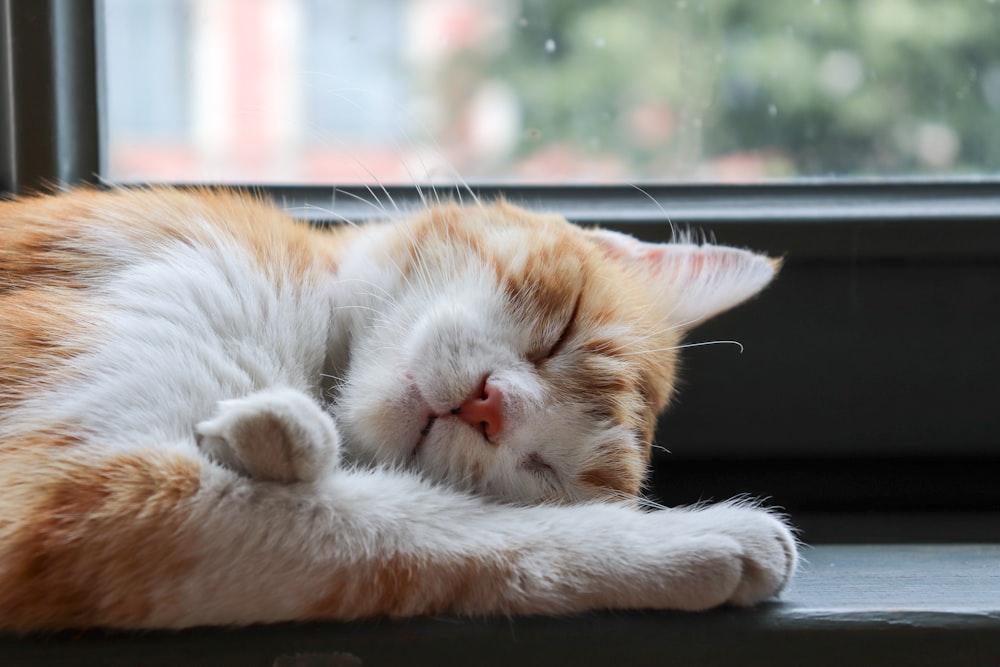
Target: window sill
{"x": 850, "y": 604}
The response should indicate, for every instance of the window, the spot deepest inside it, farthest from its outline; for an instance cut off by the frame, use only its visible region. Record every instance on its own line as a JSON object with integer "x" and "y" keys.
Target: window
{"x": 542, "y": 91}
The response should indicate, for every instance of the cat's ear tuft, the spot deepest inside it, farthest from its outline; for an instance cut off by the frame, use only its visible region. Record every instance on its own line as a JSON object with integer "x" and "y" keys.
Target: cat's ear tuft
{"x": 697, "y": 282}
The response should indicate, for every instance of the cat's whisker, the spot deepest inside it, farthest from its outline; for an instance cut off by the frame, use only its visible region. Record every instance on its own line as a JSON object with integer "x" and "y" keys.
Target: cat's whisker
{"x": 416, "y": 181}
{"x": 684, "y": 346}
{"x": 333, "y": 392}
{"x": 337, "y": 216}
{"x": 372, "y": 178}
{"x": 377, "y": 206}
{"x": 416, "y": 185}
{"x": 330, "y": 212}
{"x": 371, "y": 174}
{"x": 376, "y": 198}
{"x": 673, "y": 229}
{"x": 381, "y": 185}
{"x": 650, "y": 504}
{"x": 387, "y": 348}
{"x": 657, "y": 330}
{"x": 404, "y": 223}
{"x": 686, "y": 324}
{"x": 382, "y": 293}
{"x": 660, "y": 448}
{"x": 453, "y": 171}
{"x": 356, "y": 306}
{"x": 382, "y": 209}
{"x": 423, "y": 270}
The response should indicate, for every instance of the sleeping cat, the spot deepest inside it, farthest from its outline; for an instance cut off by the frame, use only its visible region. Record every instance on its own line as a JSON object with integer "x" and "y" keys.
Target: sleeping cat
{"x": 213, "y": 414}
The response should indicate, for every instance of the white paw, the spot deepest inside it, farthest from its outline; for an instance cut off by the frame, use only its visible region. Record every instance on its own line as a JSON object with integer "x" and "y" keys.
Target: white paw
{"x": 764, "y": 546}
{"x": 278, "y": 435}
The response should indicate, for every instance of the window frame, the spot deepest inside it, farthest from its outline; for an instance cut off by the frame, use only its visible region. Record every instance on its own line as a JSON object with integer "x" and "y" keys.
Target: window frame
{"x": 49, "y": 105}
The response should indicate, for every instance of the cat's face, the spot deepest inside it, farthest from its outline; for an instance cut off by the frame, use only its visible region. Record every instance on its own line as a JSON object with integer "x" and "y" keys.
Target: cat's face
{"x": 522, "y": 357}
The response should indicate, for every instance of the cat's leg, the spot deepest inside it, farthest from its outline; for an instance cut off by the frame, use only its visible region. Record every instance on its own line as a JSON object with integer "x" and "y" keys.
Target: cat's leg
{"x": 375, "y": 543}
{"x": 278, "y": 435}
{"x": 159, "y": 538}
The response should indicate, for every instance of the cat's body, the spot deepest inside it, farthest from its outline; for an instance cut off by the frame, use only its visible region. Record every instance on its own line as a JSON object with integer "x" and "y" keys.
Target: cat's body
{"x": 210, "y": 414}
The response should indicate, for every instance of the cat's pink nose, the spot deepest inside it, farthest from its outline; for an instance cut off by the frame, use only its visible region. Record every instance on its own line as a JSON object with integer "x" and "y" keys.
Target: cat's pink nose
{"x": 484, "y": 410}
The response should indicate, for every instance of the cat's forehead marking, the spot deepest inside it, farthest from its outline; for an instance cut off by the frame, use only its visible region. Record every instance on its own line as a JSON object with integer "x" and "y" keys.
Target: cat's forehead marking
{"x": 550, "y": 280}
{"x": 537, "y": 260}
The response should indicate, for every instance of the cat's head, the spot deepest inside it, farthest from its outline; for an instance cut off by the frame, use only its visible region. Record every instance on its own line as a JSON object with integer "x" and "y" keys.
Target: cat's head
{"x": 520, "y": 356}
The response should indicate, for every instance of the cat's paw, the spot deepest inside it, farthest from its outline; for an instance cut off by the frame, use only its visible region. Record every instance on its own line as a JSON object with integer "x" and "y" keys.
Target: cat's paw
{"x": 765, "y": 546}
{"x": 277, "y": 435}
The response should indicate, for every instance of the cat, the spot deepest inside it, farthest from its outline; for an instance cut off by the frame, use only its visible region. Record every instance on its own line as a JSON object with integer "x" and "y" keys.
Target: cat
{"x": 213, "y": 414}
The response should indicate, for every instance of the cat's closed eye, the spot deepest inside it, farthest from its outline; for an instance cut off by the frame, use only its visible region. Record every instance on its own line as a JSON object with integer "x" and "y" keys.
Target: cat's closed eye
{"x": 546, "y": 354}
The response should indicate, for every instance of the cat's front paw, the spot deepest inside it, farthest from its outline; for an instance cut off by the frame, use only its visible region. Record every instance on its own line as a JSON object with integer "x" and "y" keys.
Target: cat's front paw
{"x": 765, "y": 546}
{"x": 279, "y": 435}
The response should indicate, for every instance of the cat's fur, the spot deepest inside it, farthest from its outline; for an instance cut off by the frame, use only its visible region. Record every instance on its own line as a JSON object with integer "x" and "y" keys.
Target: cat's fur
{"x": 212, "y": 414}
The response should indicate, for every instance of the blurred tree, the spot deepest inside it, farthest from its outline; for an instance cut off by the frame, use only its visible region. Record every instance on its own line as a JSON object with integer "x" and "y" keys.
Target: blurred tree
{"x": 747, "y": 89}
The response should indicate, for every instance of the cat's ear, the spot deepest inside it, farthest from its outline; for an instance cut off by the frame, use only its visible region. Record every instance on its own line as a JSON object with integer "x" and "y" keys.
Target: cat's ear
{"x": 696, "y": 281}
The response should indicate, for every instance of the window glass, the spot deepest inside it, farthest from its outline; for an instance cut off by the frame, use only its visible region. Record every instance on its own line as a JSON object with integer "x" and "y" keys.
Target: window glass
{"x": 545, "y": 91}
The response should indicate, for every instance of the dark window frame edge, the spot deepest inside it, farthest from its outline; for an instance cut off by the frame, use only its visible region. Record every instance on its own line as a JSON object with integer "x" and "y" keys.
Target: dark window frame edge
{"x": 49, "y": 104}
{"x": 841, "y": 220}
{"x": 805, "y": 200}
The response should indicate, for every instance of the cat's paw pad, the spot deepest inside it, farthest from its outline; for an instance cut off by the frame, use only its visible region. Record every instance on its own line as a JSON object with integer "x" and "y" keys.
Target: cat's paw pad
{"x": 277, "y": 435}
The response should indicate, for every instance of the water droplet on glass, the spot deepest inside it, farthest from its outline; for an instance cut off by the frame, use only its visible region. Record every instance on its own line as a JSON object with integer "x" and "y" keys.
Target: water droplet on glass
{"x": 550, "y": 45}
{"x": 841, "y": 72}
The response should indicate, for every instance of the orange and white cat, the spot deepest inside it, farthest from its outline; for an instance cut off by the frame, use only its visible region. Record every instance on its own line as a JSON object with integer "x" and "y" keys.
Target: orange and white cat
{"x": 213, "y": 414}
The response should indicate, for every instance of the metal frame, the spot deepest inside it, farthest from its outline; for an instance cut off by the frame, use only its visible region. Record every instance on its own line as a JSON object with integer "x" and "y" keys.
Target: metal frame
{"x": 49, "y": 101}
{"x": 809, "y": 200}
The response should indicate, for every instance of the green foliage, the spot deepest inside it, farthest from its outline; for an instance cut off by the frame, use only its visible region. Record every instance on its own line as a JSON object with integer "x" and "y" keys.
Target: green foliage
{"x": 680, "y": 88}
